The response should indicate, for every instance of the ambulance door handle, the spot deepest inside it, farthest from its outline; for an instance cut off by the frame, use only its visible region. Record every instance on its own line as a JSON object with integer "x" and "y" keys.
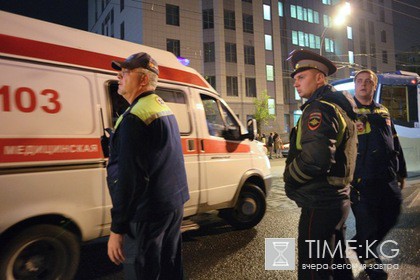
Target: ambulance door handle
{"x": 202, "y": 145}
{"x": 191, "y": 145}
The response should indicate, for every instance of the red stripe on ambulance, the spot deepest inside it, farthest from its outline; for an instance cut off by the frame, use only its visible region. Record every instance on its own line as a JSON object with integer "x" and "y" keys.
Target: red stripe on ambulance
{"x": 47, "y": 51}
{"x": 42, "y": 149}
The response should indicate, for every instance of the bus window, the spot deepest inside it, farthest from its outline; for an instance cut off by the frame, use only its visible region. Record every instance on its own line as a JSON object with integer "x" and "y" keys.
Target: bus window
{"x": 401, "y": 104}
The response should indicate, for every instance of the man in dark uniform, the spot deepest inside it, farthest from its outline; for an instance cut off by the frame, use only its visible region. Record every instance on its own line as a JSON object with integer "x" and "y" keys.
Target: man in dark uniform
{"x": 379, "y": 176}
{"x": 146, "y": 178}
{"x": 319, "y": 168}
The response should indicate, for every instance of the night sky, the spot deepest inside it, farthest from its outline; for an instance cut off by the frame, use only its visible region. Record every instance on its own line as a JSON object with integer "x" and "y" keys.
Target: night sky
{"x": 71, "y": 13}
{"x": 406, "y": 24}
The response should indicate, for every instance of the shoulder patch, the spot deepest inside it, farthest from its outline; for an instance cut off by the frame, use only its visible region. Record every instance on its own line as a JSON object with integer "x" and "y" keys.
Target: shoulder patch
{"x": 314, "y": 121}
{"x": 160, "y": 101}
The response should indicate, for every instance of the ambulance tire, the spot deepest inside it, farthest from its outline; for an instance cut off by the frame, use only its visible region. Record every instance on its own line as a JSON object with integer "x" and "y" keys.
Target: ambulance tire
{"x": 249, "y": 209}
{"x": 40, "y": 252}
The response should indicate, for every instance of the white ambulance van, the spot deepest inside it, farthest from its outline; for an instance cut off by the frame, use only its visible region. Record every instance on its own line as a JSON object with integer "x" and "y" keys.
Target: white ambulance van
{"x": 57, "y": 94}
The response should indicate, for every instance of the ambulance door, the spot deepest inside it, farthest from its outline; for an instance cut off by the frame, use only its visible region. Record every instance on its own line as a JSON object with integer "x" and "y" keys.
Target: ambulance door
{"x": 177, "y": 98}
{"x": 224, "y": 156}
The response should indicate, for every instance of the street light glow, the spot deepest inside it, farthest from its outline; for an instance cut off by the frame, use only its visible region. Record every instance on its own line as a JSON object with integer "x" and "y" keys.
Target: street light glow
{"x": 338, "y": 20}
{"x": 341, "y": 15}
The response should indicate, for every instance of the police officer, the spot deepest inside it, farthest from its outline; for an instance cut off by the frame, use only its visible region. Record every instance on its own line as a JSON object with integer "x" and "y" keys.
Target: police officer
{"x": 146, "y": 178}
{"x": 319, "y": 168}
{"x": 379, "y": 176}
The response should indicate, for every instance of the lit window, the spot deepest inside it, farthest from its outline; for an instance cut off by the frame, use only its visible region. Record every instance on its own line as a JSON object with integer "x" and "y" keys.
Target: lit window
{"x": 329, "y": 45}
{"x": 267, "y": 12}
{"x": 293, "y": 11}
{"x": 268, "y": 42}
{"x": 271, "y": 106}
{"x": 349, "y": 32}
{"x": 351, "y": 57}
{"x": 317, "y": 42}
{"x": 301, "y": 38}
{"x": 295, "y": 40}
{"x": 310, "y": 15}
{"x": 327, "y": 21}
{"x": 280, "y": 5}
{"x": 312, "y": 41}
{"x": 270, "y": 72}
{"x": 299, "y": 13}
{"x": 316, "y": 17}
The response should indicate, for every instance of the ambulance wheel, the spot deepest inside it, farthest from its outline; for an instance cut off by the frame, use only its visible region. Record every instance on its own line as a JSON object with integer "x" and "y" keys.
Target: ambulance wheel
{"x": 40, "y": 252}
{"x": 249, "y": 209}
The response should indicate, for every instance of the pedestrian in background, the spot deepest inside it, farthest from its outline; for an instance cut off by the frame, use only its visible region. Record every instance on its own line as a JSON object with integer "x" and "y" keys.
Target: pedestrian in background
{"x": 320, "y": 166}
{"x": 146, "y": 178}
{"x": 278, "y": 146}
{"x": 379, "y": 176}
{"x": 270, "y": 144}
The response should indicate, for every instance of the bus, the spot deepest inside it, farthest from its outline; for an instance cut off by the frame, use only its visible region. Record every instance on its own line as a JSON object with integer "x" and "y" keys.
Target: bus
{"x": 400, "y": 93}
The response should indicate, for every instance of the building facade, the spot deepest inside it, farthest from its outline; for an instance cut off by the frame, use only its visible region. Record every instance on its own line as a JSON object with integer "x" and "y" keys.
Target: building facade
{"x": 241, "y": 46}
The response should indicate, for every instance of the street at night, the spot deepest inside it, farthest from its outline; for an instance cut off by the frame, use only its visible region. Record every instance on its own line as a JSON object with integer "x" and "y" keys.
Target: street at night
{"x": 136, "y": 119}
{"x": 217, "y": 251}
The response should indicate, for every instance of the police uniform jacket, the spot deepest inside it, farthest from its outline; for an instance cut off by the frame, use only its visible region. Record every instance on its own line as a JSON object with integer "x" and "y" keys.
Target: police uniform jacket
{"x": 379, "y": 154}
{"x": 146, "y": 172}
{"x": 322, "y": 152}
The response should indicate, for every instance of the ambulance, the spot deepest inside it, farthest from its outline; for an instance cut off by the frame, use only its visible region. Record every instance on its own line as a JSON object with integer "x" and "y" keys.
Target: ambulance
{"x": 58, "y": 94}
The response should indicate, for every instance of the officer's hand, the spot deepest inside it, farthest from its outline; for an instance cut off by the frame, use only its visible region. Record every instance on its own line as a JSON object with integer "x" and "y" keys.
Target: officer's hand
{"x": 402, "y": 182}
{"x": 115, "y": 248}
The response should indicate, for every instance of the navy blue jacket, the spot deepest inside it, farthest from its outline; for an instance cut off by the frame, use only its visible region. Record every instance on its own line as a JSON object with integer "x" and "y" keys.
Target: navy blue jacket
{"x": 379, "y": 154}
{"x": 320, "y": 164}
{"x": 146, "y": 171}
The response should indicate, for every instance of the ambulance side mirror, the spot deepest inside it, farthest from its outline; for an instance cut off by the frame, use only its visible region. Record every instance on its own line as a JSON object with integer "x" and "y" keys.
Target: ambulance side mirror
{"x": 252, "y": 130}
{"x": 232, "y": 133}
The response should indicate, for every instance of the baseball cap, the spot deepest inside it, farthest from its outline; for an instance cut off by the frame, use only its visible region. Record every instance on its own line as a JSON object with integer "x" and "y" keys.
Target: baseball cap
{"x": 137, "y": 60}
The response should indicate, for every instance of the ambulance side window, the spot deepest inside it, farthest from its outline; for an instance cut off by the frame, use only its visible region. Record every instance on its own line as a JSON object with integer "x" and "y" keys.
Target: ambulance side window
{"x": 220, "y": 121}
{"x": 177, "y": 101}
{"x": 215, "y": 124}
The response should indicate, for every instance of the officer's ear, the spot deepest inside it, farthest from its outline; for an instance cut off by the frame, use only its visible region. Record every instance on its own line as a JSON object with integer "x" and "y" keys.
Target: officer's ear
{"x": 320, "y": 77}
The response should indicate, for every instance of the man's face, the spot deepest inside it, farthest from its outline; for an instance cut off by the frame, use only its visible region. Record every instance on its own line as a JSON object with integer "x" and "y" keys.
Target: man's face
{"x": 130, "y": 81}
{"x": 306, "y": 82}
{"x": 365, "y": 85}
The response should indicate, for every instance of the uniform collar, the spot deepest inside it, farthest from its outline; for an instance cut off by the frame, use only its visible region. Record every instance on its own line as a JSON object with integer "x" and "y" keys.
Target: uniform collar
{"x": 319, "y": 92}
{"x": 372, "y": 105}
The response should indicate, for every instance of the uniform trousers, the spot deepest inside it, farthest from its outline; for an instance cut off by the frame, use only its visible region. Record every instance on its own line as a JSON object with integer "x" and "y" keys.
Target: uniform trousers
{"x": 376, "y": 213}
{"x": 153, "y": 248}
{"x": 321, "y": 244}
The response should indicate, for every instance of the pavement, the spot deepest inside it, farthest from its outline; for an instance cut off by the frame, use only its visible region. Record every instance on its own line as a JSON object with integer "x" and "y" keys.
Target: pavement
{"x": 217, "y": 251}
